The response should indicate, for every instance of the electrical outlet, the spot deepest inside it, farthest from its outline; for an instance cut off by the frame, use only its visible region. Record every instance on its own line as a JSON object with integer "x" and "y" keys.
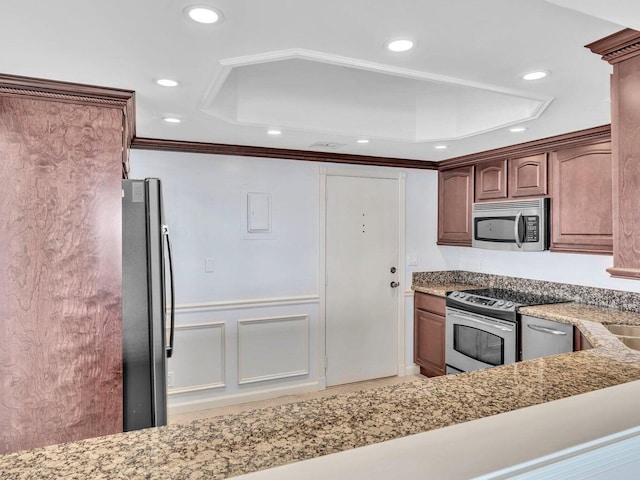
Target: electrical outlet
{"x": 171, "y": 377}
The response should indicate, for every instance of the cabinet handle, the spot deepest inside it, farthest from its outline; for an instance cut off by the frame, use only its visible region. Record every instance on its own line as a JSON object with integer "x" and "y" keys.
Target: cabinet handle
{"x": 550, "y": 331}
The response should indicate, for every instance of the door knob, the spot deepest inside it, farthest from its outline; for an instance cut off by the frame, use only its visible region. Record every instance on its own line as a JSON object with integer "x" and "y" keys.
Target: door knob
{"x": 394, "y": 284}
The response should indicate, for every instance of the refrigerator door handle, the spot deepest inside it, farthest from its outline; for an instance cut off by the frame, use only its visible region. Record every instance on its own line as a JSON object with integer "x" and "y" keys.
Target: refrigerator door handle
{"x": 165, "y": 233}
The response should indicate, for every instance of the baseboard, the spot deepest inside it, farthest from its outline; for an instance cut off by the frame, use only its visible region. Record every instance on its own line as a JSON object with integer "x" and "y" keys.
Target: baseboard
{"x": 412, "y": 370}
{"x": 176, "y": 407}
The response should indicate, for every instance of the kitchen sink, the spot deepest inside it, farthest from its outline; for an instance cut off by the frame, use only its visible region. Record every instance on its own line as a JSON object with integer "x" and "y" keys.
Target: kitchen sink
{"x": 624, "y": 330}
{"x": 627, "y": 334}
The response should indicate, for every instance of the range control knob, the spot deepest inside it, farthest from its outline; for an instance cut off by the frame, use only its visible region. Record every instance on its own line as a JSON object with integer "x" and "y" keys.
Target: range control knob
{"x": 500, "y": 303}
{"x": 455, "y": 294}
{"x": 463, "y": 295}
{"x": 509, "y": 304}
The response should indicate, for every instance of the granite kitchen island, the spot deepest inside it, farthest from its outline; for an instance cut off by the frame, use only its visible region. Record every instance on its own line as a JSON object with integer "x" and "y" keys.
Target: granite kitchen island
{"x": 232, "y": 445}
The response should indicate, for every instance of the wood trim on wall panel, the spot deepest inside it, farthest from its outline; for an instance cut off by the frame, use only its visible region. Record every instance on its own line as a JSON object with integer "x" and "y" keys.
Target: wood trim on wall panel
{"x": 78, "y": 93}
{"x": 280, "y": 153}
{"x": 535, "y": 147}
{"x": 617, "y": 47}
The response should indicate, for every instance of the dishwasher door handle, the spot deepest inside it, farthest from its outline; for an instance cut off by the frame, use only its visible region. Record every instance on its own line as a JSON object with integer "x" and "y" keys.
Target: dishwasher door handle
{"x": 541, "y": 329}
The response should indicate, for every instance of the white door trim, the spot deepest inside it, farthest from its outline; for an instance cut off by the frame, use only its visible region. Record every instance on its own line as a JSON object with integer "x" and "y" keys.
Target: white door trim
{"x": 324, "y": 172}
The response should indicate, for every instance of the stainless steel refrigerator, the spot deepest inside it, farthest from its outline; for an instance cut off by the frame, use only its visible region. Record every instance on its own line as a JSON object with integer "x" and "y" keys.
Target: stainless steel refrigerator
{"x": 145, "y": 249}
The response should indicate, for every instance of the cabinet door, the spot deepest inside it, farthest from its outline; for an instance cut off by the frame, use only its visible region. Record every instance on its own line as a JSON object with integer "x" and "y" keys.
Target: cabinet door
{"x": 581, "y": 202}
{"x": 429, "y": 342}
{"x": 455, "y": 196}
{"x": 491, "y": 181}
{"x": 528, "y": 176}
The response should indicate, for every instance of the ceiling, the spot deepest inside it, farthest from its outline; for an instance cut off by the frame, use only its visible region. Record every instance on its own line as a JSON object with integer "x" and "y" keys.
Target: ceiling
{"x": 319, "y": 71}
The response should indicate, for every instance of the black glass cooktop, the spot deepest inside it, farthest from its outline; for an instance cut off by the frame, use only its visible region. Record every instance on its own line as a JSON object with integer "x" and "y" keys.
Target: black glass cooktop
{"x": 517, "y": 297}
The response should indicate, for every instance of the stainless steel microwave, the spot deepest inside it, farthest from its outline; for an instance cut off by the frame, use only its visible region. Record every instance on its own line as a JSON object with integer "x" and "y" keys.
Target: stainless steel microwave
{"x": 521, "y": 225}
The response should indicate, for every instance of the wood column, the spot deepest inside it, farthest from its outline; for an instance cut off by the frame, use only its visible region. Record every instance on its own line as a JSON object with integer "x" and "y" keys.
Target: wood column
{"x": 622, "y": 50}
{"x": 61, "y": 164}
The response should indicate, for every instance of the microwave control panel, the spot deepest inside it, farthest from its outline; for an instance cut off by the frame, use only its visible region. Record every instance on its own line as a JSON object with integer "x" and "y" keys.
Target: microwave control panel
{"x": 531, "y": 228}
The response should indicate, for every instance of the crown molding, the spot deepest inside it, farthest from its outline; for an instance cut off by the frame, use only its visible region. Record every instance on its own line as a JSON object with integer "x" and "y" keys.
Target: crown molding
{"x": 535, "y": 147}
{"x": 16, "y": 85}
{"x": 280, "y": 153}
{"x": 617, "y": 47}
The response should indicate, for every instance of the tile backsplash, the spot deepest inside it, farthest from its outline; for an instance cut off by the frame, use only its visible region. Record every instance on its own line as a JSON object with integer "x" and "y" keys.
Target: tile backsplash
{"x": 601, "y": 297}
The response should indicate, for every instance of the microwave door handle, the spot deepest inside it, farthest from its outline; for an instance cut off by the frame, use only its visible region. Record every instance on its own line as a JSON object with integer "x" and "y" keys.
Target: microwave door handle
{"x": 516, "y": 229}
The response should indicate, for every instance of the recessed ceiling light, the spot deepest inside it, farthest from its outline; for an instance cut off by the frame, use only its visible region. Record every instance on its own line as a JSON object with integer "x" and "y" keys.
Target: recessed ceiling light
{"x": 535, "y": 75}
{"x": 274, "y": 132}
{"x": 362, "y": 140}
{"x": 517, "y": 129}
{"x": 441, "y": 147}
{"x": 171, "y": 119}
{"x": 203, "y": 14}
{"x": 166, "y": 82}
{"x": 401, "y": 45}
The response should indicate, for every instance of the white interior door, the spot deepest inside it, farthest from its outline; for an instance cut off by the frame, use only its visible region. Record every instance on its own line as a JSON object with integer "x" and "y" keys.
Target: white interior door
{"x": 361, "y": 304}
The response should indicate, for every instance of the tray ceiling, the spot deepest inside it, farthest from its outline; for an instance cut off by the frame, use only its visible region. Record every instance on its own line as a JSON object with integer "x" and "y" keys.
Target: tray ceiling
{"x": 327, "y": 94}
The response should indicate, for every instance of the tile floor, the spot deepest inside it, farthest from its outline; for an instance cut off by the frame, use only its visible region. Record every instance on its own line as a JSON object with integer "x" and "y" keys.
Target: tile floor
{"x": 245, "y": 407}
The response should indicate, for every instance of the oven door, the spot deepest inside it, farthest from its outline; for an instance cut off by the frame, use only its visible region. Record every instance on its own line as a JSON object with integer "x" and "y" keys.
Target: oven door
{"x": 477, "y": 341}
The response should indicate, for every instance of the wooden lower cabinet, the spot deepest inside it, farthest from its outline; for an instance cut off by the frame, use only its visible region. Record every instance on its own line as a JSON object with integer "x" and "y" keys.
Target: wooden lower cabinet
{"x": 429, "y": 334}
{"x": 580, "y": 342}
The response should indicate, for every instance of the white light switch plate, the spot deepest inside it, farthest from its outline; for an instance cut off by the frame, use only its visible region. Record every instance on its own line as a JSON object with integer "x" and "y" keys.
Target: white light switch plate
{"x": 208, "y": 265}
{"x": 412, "y": 259}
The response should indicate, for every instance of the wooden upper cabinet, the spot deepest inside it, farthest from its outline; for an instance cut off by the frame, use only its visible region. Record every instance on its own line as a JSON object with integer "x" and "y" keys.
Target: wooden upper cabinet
{"x": 491, "y": 181}
{"x": 516, "y": 178}
{"x": 528, "y": 176}
{"x": 581, "y": 199}
{"x": 455, "y": 197}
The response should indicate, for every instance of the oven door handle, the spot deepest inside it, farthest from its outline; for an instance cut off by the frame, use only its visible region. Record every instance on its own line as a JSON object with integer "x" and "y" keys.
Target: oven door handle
{"x": 516, "y": 229}
{"x": 541, "y": 329}
{"x": 482, "y": 322}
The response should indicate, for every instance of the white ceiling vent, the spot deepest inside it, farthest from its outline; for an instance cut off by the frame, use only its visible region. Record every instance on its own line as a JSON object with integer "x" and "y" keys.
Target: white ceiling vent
{"x": 327, "y": 145}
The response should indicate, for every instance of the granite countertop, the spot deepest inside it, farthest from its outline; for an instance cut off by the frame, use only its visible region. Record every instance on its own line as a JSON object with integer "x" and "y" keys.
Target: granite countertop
{"x": 231, "y": 445}
{"x": 441, "y": 289}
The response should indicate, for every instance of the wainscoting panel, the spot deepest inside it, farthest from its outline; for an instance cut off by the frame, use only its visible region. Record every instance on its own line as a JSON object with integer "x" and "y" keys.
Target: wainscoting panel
{"x": 273, "y": 348}
{"x": 242, "y": 350}
{"x": 199, "y": 363}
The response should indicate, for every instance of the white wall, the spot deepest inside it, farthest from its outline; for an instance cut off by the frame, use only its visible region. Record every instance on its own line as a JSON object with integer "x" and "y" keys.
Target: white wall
{"x": 259, "y": 288}
{"x": 579, "y": 269}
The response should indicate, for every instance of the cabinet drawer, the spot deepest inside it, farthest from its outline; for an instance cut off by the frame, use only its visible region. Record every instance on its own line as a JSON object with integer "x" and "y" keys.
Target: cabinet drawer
{"x": 430, "y": 303}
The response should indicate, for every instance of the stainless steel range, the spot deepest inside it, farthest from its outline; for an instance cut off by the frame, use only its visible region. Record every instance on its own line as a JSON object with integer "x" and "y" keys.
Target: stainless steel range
{"x": 483, "y": 327}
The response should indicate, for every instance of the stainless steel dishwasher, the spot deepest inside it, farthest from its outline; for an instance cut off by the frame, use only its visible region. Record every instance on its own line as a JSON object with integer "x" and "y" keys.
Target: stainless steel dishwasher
{"x": 542, "y": 338}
